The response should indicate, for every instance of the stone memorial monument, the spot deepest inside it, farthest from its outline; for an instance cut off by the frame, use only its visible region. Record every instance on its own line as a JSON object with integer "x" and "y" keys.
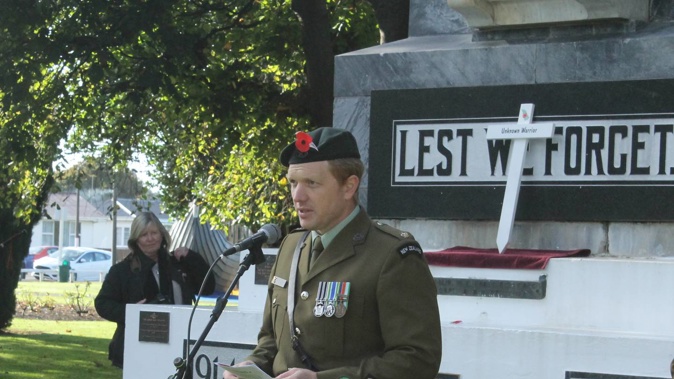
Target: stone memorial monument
{"x": 583, "y": 288}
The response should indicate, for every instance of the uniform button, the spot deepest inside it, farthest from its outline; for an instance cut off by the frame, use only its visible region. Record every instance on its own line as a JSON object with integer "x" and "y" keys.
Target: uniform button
{"x": 298, "y": 331}
{"x": 304, "y": 295}
{"x": 273, "y": 301}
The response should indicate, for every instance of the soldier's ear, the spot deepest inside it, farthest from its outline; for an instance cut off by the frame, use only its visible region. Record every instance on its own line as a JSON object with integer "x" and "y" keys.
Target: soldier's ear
{"x": 351, "y": 186}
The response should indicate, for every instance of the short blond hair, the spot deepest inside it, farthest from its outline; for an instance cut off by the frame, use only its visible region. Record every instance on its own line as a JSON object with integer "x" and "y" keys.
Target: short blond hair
{"x": 343, "y": 168}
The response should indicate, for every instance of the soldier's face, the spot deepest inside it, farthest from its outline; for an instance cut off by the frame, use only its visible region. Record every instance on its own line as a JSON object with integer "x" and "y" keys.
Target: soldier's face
{"x": 320, "y": 200}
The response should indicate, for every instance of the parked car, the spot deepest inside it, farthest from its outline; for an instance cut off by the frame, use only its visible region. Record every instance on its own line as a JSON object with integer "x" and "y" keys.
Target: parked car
{"x": 34, "y": 253}
{"x": 86, "y": 262}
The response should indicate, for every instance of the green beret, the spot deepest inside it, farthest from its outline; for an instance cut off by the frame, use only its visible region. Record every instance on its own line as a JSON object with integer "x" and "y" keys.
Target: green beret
{"x": 322, "y": 144}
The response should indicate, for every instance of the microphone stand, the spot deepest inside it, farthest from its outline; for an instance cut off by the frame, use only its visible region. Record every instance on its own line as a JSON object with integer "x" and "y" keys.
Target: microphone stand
{"x": 184, "y": 368}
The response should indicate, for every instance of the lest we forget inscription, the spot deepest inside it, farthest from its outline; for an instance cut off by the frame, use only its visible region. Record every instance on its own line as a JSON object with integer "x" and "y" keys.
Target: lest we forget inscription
{"x": 609, "y": 157}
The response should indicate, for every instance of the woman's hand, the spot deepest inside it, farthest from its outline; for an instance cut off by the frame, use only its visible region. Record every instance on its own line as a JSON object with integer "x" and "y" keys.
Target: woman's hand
{"x": 180, "y": 253}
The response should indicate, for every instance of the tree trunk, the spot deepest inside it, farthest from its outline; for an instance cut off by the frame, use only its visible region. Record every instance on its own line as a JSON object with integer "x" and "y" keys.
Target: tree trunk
{"x": 318, "y": 49}
{"x": 393, "y": 17}
{"x": 15, "y": 236}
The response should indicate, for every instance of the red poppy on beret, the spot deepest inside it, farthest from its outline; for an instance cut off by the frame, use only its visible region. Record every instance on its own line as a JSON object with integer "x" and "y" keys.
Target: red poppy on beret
{"x": 303, "y": 142}
{"x": 334, "y": 143}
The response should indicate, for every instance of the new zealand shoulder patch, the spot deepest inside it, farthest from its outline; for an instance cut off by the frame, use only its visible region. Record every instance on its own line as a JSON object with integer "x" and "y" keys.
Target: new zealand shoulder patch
{"x": 410, "y": 248}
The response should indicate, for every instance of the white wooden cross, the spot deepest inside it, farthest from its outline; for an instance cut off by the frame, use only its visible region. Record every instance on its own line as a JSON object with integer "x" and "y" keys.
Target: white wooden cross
{"x": 520, "y": 133}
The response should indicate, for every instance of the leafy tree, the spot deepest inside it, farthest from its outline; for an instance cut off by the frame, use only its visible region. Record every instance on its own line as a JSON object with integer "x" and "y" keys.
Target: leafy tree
{"x": 208, "y": 90}
{"x": 91, "y": 176}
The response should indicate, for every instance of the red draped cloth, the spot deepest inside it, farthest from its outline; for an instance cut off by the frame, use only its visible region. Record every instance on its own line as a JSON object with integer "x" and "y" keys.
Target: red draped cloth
{"x": 461, "y": 256}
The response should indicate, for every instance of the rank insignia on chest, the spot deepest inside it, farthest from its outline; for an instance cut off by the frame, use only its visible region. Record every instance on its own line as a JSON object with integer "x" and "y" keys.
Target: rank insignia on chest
{"x": 332, "y": 299}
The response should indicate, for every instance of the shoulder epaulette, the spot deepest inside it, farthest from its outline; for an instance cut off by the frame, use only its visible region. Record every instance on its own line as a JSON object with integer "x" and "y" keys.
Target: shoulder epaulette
{"x": 407, "y": 242}
{"x": 399, "y": 234}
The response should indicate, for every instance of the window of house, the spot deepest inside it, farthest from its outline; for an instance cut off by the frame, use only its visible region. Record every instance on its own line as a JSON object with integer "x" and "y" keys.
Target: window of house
{"x": 69, "y": 233}
{"x": 49, "y": 233}
{"x": 123, "y": 233}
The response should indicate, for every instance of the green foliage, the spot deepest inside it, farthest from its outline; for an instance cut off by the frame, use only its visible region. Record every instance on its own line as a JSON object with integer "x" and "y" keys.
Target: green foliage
{"x": 252, "y": 187}
{"x": 185, "y": 83}
{"x": 91, "y": 175}
{"x": 48, "y": 302}
{"x": 78, "y": 300}
{"x": 55, "y": 290}
{"x": 28, "y": 301}
{"x": 209, "y": 91}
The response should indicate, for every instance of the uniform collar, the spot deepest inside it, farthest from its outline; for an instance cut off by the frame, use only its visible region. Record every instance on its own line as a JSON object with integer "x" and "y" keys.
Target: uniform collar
{"x": 328, "y": 236}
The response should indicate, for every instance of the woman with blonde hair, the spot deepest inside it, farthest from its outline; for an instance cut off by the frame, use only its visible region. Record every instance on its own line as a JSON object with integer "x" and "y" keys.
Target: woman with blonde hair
{"x": 150, "y": 274}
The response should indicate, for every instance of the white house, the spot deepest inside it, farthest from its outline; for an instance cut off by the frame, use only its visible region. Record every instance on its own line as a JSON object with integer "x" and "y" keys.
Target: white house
{"x": 61, "y": 213}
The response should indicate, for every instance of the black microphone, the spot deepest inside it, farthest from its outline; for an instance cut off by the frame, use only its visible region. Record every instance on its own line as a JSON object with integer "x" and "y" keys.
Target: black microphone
{"x": 269, "y": 233}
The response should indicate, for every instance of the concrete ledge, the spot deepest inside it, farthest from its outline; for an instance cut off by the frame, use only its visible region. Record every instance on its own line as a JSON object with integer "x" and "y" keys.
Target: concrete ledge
{"x": 486, "y": 13}
{"x": 475, "y": 352}
{"x": 602, "y": 295}
{"x": 470, "y": 351}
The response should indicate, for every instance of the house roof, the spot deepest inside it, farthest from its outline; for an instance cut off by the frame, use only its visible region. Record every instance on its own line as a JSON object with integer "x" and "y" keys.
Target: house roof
{"x": 65, "y": 205}
{"x": 130, "y": 207}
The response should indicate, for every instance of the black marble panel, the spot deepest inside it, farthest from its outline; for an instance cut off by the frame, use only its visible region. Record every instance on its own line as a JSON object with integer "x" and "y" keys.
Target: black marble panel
{"x": 595, "y": 375}
{"x": 507, "y": 289}
{"x": 563, "y": 201}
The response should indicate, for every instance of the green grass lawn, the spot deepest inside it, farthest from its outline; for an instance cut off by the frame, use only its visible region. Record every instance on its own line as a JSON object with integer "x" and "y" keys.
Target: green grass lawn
{"x": 56, "y": 349}
{"x": 59, "y": 292}
{"x": 55, "y": 290}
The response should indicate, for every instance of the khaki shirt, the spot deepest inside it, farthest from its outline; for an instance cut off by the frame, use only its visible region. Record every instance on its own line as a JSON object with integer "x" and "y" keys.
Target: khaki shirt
{"x": 391, "y": 327}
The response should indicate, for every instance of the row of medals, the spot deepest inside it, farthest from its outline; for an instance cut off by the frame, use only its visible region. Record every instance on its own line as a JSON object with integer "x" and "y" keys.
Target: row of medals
{"x": 332, "y": 299}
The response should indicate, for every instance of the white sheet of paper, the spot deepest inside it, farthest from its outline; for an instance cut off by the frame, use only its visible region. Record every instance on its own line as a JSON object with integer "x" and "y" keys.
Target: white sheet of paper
{"x": 246, "y": 372}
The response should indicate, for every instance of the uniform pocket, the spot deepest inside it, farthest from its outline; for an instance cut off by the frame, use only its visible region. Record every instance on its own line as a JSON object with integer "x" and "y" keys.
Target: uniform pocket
{"x": 279, "y": 311}
{"x": 331, "y": 332}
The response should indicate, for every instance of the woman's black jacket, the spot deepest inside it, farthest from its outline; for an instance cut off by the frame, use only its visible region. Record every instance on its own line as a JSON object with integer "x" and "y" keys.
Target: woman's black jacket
{"x": 132, "y": 280}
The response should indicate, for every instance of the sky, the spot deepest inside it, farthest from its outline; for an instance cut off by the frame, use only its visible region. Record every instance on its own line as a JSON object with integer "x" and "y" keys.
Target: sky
{"x": 142, "y": 168}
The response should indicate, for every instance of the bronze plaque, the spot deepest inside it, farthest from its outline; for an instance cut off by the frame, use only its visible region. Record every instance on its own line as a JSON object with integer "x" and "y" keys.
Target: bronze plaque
{"x": 263, "y": 270}
{"x": 154, "y": 327}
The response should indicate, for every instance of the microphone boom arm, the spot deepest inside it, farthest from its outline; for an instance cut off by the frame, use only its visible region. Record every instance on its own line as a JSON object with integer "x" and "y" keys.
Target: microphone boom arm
{"x": 254, "y": 256}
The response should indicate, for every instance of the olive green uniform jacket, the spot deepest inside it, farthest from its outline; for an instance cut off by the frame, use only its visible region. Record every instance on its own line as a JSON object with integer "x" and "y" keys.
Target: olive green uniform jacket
{"x": 391, "y": 328}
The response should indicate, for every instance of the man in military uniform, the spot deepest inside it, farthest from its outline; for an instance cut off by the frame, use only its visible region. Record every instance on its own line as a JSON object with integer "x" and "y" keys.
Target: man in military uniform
{"x": 348, "y": 297}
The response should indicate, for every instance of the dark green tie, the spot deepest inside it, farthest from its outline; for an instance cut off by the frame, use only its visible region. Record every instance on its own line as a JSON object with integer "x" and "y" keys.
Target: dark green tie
{"x": 316, "y": 250}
